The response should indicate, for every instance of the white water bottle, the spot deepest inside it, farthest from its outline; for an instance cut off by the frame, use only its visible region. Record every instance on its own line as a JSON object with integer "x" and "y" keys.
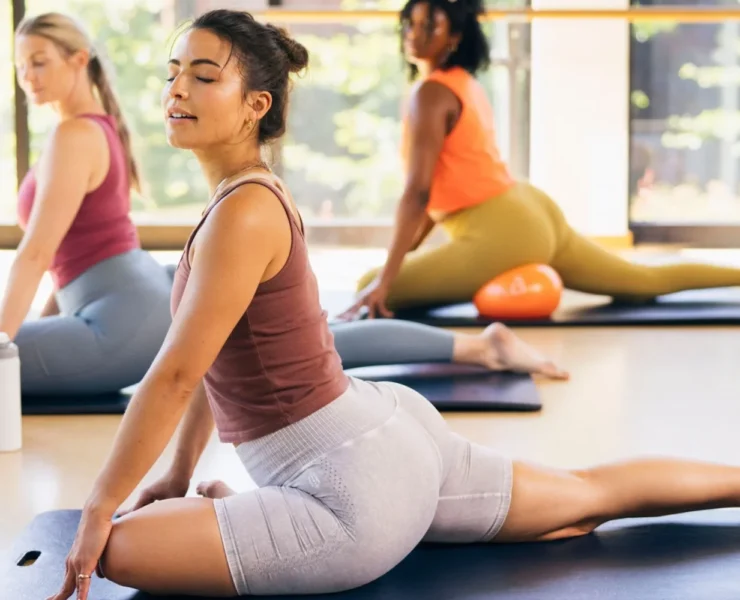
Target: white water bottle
{"x": 10, "y": 396}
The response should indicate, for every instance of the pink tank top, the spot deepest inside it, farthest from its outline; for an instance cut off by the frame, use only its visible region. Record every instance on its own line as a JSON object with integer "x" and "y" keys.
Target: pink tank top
{"x": 102, "y": 227}
{"x": 279, "y": 363}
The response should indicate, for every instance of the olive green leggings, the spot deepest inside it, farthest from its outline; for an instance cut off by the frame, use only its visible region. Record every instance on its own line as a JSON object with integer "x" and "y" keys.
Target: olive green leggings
{"x": 521, "y": 226}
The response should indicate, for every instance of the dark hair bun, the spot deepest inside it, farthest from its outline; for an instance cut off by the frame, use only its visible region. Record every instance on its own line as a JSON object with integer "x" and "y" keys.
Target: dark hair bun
{"x": 268, "y": 56}
{"x": 294, "y": 50}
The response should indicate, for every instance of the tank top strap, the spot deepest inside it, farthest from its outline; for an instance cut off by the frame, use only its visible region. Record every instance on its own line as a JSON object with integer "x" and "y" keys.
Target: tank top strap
{"x": 229, "y": 185}
{"x": 106, "y": 121}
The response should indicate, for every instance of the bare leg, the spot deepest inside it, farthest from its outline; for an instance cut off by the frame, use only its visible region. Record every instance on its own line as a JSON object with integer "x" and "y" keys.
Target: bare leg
{"x": 549, "y": 504}
{"x": 393, "y": 341}
{"x": 170, "y": 547}
{"x": 500, "y": 349}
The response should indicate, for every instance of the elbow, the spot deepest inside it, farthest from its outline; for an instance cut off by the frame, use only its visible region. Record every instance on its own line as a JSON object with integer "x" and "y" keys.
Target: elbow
{"x": 417, "y": 198}
{"x": 179, "y": 382}
{"x": 34, "y": 259}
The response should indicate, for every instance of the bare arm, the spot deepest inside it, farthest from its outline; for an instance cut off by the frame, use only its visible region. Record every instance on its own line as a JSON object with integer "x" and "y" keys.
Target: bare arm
{"x": 63, "y": 177}
{"x": 428, "y": 115}
{"x": 426, "y": 227}
{"x": 233, "y": 251}
{"x": 197, "y": 426}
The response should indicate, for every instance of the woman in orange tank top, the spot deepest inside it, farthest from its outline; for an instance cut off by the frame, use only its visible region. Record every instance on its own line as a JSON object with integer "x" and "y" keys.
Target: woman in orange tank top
{"x": 456, "y": 177}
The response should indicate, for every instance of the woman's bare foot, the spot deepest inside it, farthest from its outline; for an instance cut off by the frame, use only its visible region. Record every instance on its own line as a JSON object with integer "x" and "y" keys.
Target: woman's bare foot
{"x": 214, "y": 489}
{"x": 504, "y": 351}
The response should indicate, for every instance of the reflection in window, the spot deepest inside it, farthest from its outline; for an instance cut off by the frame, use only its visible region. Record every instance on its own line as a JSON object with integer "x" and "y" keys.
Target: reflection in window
{"x": 685, "y": 121}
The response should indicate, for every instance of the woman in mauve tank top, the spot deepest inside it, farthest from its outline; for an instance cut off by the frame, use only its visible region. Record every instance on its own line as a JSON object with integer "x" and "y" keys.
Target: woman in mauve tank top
{"x": 457, "y": 178}
{"x": 350, "y": 475}
{"x": 109, "y": 309}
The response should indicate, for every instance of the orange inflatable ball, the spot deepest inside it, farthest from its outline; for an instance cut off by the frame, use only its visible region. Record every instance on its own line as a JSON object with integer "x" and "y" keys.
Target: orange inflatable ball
{"x": 527, "y": 292}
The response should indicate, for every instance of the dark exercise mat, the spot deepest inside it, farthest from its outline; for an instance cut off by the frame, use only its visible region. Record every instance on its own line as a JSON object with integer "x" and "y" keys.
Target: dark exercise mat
{"x": 687, "y": 557}
{"x": 448, "y": 387}
{"x": 100, "y": 404}
{"x": 452, "y": 387}
{"x": 719, "y": 306}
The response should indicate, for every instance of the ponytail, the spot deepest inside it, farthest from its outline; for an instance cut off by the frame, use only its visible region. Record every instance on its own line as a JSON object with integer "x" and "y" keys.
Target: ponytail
{"x": 100, "y": 81}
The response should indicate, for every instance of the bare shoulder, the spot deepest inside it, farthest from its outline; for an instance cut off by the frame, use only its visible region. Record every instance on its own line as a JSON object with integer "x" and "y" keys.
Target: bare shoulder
{"x": 80, "y": 128}
{"x": 80, "y": 135}
{"x": 251, "y": 210}
{"x": 433, "y": 97}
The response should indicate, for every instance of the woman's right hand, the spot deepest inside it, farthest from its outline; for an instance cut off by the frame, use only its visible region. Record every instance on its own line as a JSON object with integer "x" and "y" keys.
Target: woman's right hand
{"x": 169, "y": 486}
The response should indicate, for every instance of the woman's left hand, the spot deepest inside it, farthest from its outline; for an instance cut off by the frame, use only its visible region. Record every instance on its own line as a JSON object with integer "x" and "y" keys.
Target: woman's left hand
{"x": 82, "y": 561}
{"x": 373, "y": 297}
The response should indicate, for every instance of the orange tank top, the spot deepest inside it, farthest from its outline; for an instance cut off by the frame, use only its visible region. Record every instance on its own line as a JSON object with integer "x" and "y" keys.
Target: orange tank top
{"x": 469, "y": 169}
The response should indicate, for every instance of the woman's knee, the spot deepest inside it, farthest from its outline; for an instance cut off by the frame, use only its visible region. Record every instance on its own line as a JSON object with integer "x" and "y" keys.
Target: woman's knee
{"x": 169, "y": 547}
{"x": 117, "y": 562}
{"x": 590, "y": 503}
{"x": 475, "y": 496}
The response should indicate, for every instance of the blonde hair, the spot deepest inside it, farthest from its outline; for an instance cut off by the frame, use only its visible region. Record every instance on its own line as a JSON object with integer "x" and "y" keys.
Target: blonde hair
{"x": 70, "y": 37}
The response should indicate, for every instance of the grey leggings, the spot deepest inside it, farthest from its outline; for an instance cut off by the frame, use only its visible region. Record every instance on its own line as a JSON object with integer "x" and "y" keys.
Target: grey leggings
{"x": 112, "y": 321}
{"x": 390, "y": 342}
{"x": 337, "y": 509}
{"x": 114, "y": 318}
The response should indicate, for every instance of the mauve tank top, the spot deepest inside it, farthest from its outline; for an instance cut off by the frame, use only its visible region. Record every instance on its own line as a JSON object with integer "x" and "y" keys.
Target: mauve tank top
{"x": 102, "y": 227}
{"x": 279, "y": 363}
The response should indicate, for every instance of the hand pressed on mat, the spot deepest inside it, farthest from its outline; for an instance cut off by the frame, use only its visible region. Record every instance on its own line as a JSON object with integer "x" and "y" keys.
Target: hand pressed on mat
{"x": 374, "y": 298}
{"x": 82, "y": 561}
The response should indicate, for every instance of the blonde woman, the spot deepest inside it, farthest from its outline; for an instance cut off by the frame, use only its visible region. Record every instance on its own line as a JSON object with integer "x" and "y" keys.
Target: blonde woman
{"x": 109, "y": 311}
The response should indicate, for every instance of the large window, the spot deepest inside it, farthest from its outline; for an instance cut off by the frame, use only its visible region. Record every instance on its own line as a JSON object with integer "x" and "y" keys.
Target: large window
{"x": 685, "y": 121}
{"x": 8, "y": 182}
{"x": 340, "y": 155}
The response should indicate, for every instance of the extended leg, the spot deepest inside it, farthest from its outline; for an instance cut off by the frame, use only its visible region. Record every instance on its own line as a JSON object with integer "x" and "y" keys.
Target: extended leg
{"x": 390, "y": 342}
{"x": 550, "y": 504}
{"x": 587, "y": 267}
{"x": 484, "y": 497}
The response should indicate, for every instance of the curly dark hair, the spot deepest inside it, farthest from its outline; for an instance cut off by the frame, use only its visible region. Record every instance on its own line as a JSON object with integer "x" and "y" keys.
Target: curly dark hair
{"x": 473, "y": 52}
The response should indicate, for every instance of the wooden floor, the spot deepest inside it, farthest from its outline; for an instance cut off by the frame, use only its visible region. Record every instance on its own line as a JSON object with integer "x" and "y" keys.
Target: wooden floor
{"x": 668, "y": 391}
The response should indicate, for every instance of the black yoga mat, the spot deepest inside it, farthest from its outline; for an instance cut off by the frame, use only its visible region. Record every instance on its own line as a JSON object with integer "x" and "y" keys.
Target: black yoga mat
{"x": 97, "y": 404}
{"x": 457, "y": 387}
{"x": 687, "y": 557}
{"x": 717, "y": 306}
{"x": 448, "y": 387}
